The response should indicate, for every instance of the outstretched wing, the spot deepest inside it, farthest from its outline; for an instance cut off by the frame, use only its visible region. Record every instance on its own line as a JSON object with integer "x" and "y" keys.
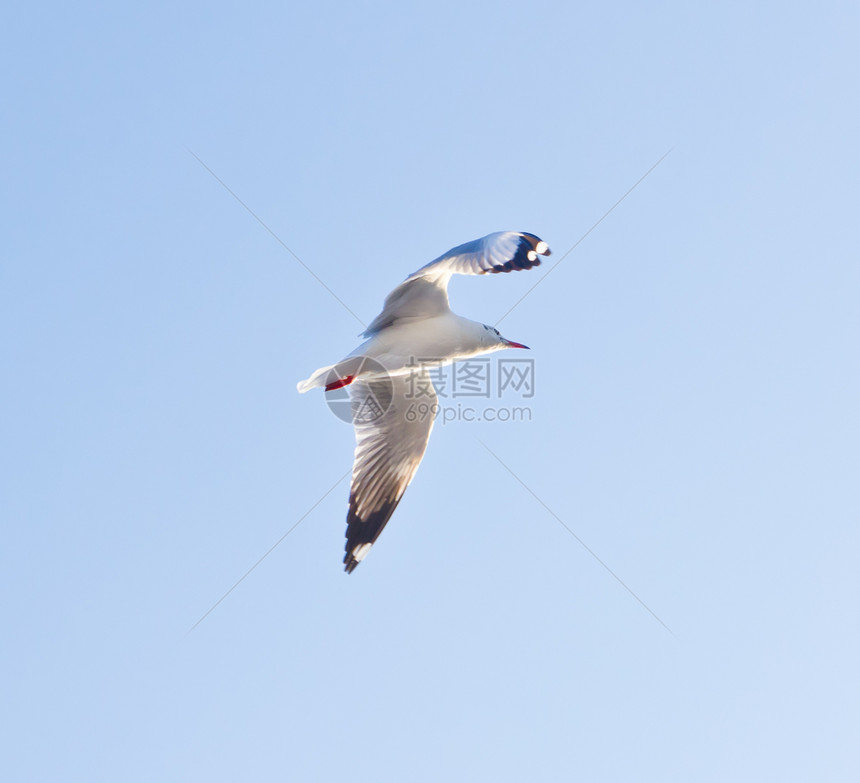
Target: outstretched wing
{"x": 425, "y": 293}
{"x": 504, "y": 251}
{"x": 393, "y": 418}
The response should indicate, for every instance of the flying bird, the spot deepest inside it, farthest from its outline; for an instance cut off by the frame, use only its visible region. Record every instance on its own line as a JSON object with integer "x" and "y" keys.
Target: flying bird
{"x": 391, "y": 394}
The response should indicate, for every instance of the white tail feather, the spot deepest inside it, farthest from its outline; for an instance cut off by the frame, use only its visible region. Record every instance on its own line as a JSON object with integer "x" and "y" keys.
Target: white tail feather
{"x": 317, "y": 379}
{"x": 352, "y": 365}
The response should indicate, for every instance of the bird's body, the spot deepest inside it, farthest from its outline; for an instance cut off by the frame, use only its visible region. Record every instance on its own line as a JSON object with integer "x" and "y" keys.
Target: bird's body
{"x": 386, "y": 375}
{"x": 441, "y": 339}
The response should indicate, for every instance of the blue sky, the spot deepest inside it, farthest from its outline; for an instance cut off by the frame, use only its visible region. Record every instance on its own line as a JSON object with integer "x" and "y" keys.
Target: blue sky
{"x": 694, "y": 422}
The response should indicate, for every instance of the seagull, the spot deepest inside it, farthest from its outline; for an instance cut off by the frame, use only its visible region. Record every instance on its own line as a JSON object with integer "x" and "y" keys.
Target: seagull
{"x": 391, "y": 394}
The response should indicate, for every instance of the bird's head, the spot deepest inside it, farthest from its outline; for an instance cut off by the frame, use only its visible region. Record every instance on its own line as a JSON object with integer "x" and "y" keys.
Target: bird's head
{"x": 493, "y": 339}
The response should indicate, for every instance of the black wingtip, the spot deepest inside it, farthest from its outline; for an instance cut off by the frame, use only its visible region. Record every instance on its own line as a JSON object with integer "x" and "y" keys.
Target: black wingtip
{"x": 527, "y": 256}
{"x": 350, "y": 562}
{"x": 538, "y": 245}
{"x": 363, "y": 532}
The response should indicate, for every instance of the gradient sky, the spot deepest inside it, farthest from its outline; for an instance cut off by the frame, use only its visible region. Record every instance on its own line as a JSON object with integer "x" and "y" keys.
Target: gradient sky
{"x": 695, "y": 418}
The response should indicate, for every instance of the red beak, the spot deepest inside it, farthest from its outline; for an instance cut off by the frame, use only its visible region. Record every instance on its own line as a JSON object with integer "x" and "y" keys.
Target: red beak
{"x": 516, "y": 345}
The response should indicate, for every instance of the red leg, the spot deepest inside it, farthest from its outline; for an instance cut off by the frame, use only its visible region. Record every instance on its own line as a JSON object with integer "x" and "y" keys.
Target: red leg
{"x": 340, "y": 384}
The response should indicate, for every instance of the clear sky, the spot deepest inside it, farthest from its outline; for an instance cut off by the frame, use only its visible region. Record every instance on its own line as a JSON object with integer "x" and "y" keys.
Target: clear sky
{"x": 695, "y": 417}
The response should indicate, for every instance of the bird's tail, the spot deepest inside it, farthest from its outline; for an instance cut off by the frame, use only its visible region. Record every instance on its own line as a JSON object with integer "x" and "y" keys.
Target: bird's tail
{"x": 332, "y": 373}
{"x": 317, "y": 379}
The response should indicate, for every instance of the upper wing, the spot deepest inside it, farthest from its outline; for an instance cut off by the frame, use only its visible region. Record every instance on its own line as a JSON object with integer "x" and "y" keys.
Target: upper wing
{"x": 425, "y": 293}
{"x": 504, "y": 251}
{"x": 392, "y": 419}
